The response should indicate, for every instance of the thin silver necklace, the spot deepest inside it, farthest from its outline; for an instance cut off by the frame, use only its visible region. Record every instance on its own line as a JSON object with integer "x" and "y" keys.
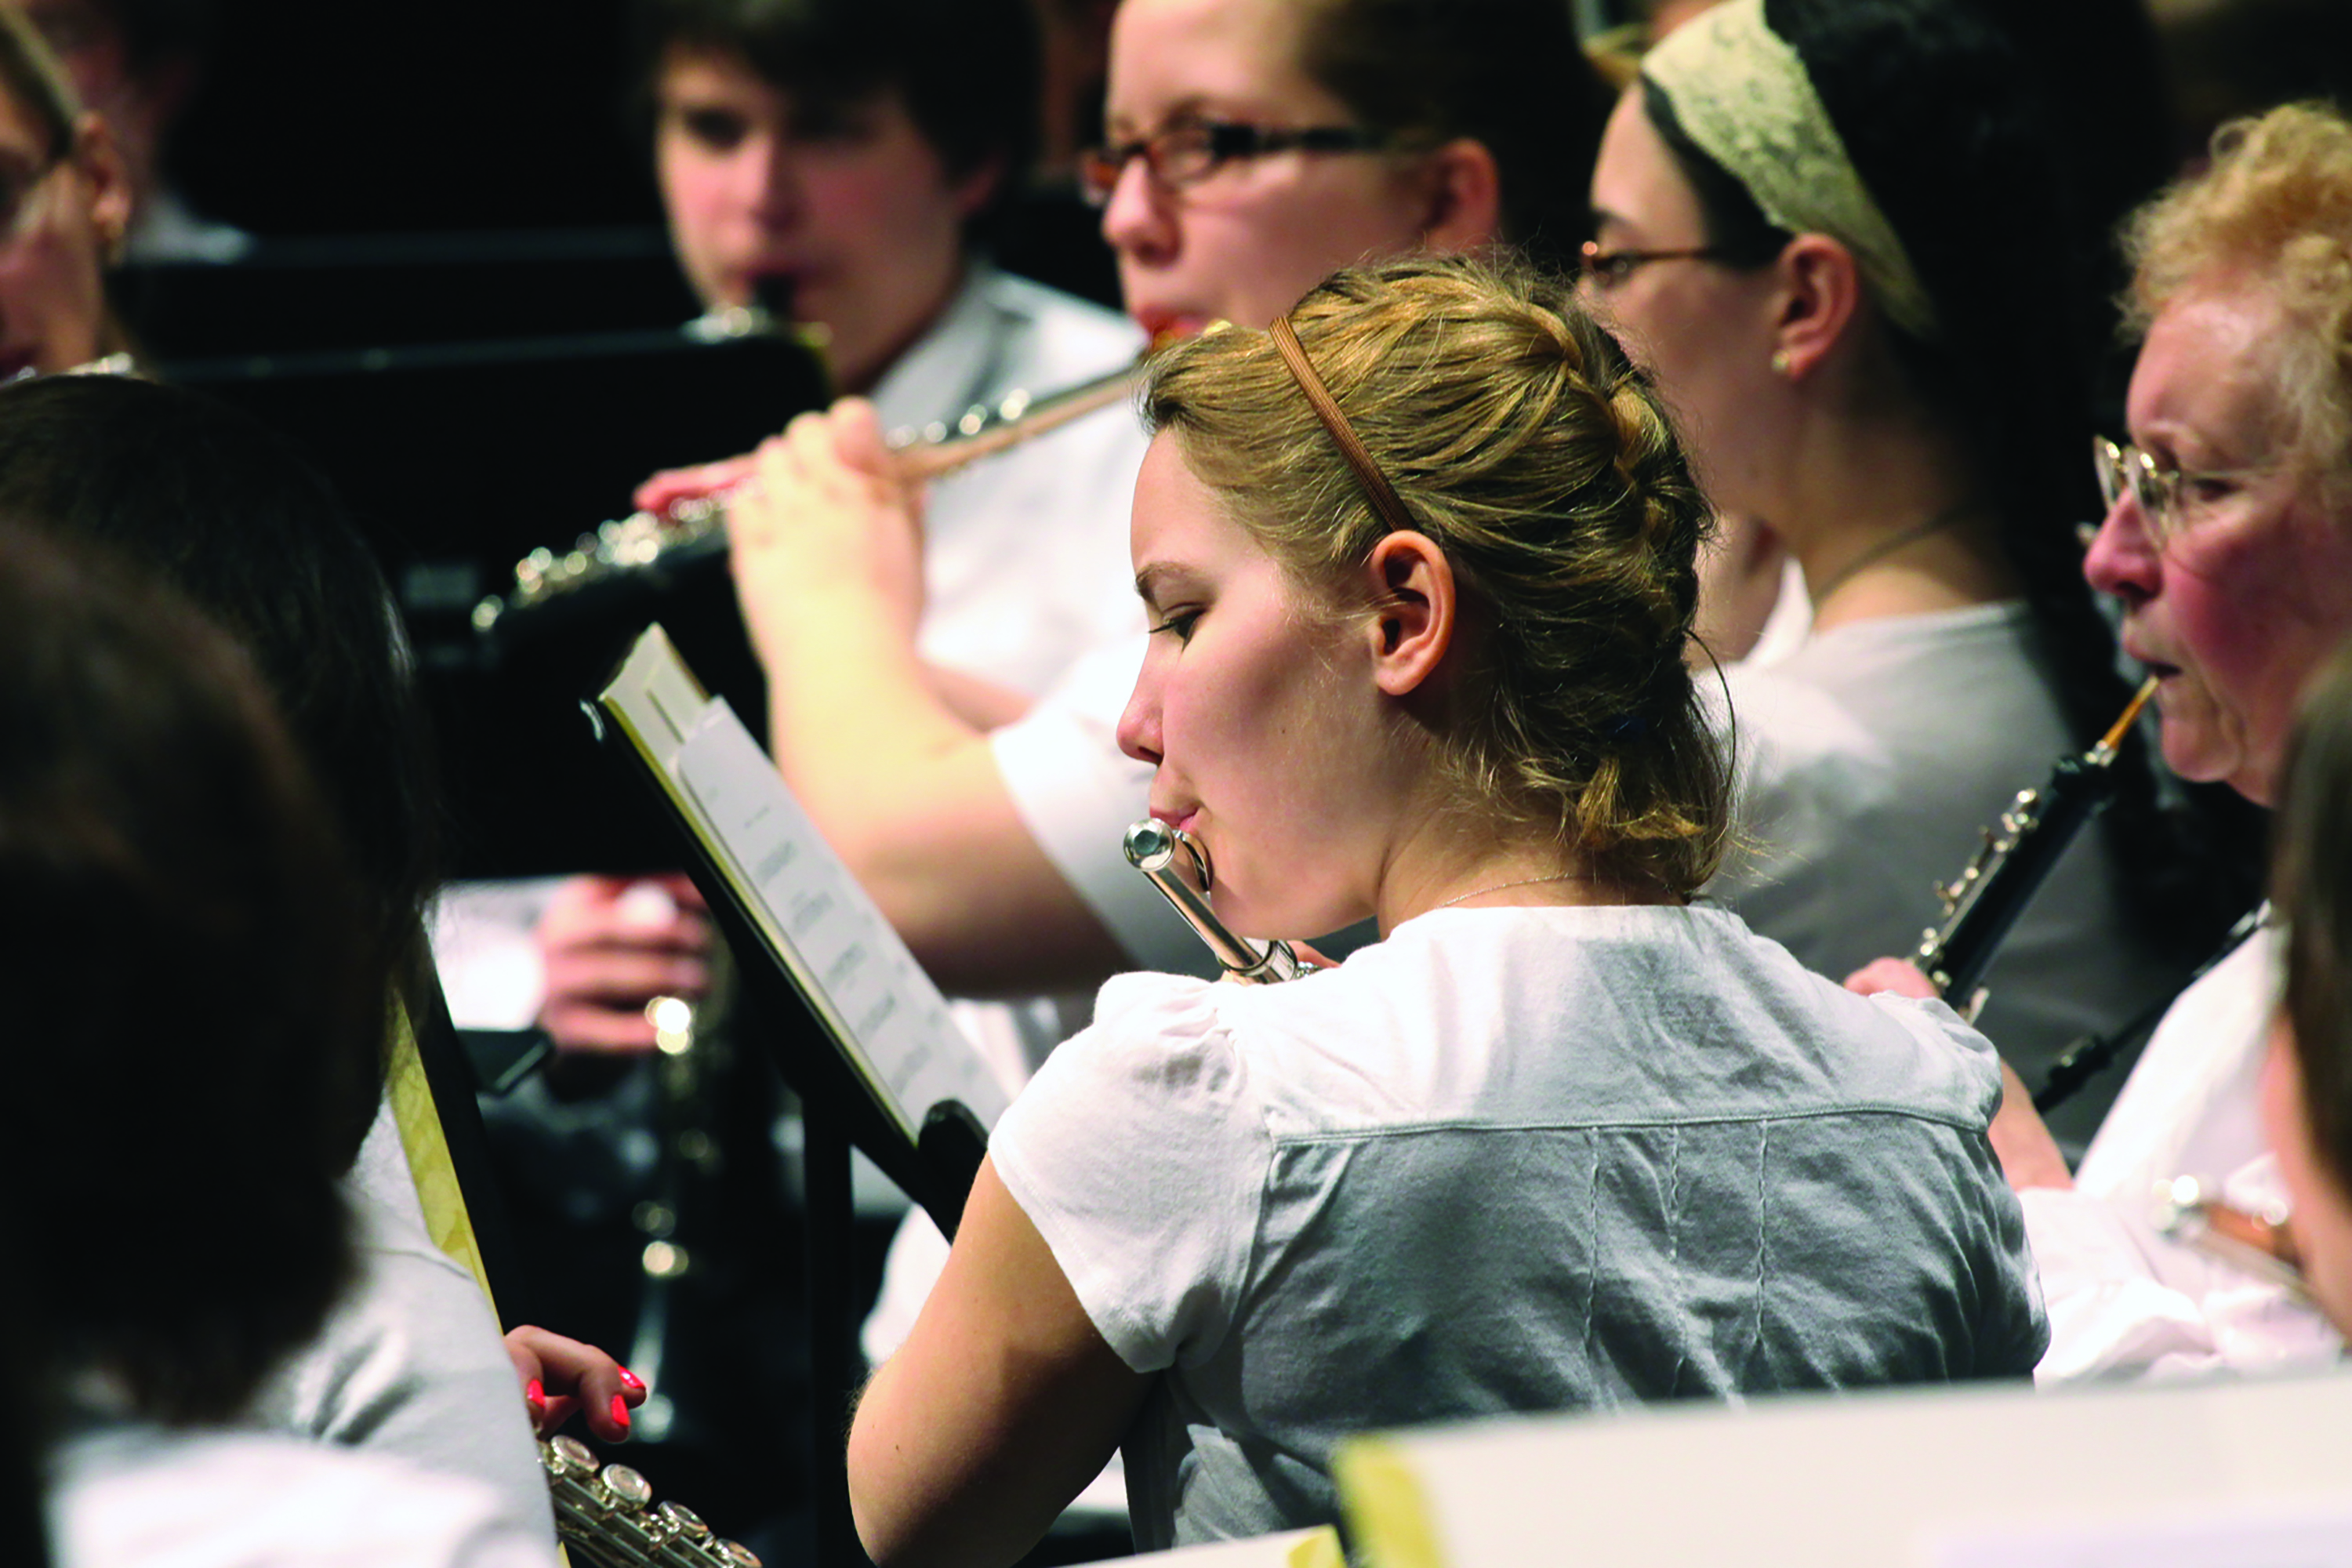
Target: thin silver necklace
{"x": 1888, "y": 546}
{"x": 1503, "y": 886}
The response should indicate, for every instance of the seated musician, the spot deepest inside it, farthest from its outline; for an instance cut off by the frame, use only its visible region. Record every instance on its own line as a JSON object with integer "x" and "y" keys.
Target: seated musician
{"x": 2306, "y": 1087}
{"x": 2228, "y": 545}
{"x": 1792, "y": 202}
{"x": 411, "y": 1362}
{"x": 195, "y": 1027}
{"x": 841, "y": 160}
{"x": 1419, "y": 581}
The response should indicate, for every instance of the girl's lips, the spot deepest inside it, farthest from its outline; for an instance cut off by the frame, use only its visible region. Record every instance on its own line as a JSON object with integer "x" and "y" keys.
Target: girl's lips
{"x": 1166, "y": 326}
{"x": 1181, "y": 820}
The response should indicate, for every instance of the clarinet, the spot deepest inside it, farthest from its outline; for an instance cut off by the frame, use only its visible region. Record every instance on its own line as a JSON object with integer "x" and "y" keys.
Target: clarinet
{"x": 1984, "y": 900}
{"x": 1177, "y": 865}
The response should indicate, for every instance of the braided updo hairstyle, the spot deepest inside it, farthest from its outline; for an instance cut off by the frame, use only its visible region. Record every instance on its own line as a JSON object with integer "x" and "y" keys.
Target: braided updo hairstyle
{"x": 1526, "y": 446}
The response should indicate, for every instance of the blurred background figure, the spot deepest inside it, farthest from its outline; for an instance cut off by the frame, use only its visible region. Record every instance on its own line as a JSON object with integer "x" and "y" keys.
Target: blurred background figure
{"x": 228, "y": 514}
{"x": 65, "y": 208}
{"x": 200, "y": 1023}
{"x": 137, "y": 64}
{"x": 2306, "y": 1089}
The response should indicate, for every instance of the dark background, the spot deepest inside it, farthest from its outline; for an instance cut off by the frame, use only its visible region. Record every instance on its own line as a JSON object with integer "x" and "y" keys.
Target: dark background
{"x": 338, "y": 118}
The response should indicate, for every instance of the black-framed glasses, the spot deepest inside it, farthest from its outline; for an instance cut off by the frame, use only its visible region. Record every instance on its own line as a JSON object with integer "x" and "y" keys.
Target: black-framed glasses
{"x": 2162, "y": 494}
{"x": 1190, "y": 151}
{"x": 1607, "y": 268}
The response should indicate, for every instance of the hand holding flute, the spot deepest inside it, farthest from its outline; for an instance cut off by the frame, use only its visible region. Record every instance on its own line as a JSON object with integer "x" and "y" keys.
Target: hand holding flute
{"x": 826, "y": 514}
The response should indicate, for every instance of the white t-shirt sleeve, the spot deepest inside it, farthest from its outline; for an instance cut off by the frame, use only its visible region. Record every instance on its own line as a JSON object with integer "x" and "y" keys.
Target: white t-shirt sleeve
{"x": 1140, "y": 1155}
{"x": 1076, "y": 792}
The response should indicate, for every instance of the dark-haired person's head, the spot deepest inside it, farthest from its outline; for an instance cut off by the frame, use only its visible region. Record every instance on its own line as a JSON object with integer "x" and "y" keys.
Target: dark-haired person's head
{"x": 837, "y": 156}
{"x": 192, "y": 1030}
{"x": 2307, "y": 1082}
{"x": 229, "y": 514}
{"x": 1255, "y": 146}
{"x": 1904, "y": 134}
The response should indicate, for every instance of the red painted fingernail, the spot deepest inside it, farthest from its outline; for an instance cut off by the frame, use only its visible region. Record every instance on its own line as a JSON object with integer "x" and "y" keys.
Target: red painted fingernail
{"x": 631, "y": 1379}
{"x": 533, "y": 1391}
{"x": 620, "y": 1412}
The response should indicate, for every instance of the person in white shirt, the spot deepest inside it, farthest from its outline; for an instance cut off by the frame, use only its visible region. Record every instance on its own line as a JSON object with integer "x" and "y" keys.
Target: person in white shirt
{"x": 2228, "y": 546}
{"x": 1791, "y": 206}
{"x": 1422, "y": 565}
{"x": 198, "y": 1020}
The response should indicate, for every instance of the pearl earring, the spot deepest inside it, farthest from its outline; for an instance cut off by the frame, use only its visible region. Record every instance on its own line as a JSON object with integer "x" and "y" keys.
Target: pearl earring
{"x": 1780, "y": 362}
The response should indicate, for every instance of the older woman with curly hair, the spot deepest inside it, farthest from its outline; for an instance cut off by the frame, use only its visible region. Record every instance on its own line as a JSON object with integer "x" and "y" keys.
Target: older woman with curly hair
{"x": 2228, "y": 546}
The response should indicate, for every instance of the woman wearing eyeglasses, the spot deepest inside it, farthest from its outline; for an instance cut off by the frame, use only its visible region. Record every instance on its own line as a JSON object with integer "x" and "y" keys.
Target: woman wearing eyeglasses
{"x": 2228, "y": 547}
{"x": 65, "y": 202}
{"x": 1833, "y": 231}
{"x": 1255, "y": 146}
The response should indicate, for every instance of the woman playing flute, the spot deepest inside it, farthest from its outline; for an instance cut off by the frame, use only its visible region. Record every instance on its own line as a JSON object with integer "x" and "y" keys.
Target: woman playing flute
{"x": 1419, "y": 564}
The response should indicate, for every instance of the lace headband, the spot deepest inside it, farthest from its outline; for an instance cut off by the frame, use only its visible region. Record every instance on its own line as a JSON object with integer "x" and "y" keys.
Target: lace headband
{"x": 1377, "y": 489}
{"x": 1743, "y": 96}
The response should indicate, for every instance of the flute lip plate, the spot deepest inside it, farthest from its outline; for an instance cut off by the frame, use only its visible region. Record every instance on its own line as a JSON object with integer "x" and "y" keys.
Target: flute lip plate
{"x": 1149, "y": 843}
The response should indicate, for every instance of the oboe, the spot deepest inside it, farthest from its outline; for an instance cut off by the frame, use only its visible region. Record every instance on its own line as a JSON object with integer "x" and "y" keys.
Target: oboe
{"x": 1984, "y": 900}
{"x": 1177, "y": 865}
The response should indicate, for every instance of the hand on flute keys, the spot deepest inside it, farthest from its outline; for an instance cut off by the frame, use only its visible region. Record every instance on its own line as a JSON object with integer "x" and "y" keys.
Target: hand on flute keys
{"x": 562, "y": 1377}
{"x": 829, "y": 524}
{"x": 2020, "y": 1140}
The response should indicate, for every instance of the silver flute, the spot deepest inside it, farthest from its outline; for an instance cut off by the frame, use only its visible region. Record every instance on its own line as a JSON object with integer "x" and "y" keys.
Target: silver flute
{"x": 651, "y": 548}
{"x": 1177, "y": 865}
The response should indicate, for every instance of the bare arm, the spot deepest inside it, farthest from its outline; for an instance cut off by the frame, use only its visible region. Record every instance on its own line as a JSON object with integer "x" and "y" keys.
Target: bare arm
{"x": 826, "y": 561}
{"x": 1004, "y": 1403}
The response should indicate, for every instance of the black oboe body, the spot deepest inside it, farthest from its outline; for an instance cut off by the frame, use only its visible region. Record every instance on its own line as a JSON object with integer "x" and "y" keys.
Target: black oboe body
{"x": 1984, "y": 900}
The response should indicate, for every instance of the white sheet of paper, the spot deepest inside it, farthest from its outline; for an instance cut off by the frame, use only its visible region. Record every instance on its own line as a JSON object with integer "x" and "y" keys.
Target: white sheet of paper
{"x": 2242, "y": 1538}
{"x": 851, "y": 960}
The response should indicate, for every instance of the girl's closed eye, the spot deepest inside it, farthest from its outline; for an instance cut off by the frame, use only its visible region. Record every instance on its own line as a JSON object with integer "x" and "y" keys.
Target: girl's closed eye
{"x": 1180, "y": 621}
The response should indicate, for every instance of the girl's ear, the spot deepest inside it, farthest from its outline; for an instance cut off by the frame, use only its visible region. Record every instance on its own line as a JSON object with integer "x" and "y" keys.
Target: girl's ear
{"x": 1412, "y": 624}
{"x": 1820, "y": 293}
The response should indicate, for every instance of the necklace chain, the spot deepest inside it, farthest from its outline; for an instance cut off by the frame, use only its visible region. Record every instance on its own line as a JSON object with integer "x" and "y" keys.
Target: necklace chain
{"x": 1503, "y": 886}
{"x": 1886, "y": 547}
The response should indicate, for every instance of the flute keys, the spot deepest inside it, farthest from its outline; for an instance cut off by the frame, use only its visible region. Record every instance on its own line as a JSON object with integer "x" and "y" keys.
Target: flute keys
{"x": 568, "y": 1456}
{"x": 685, "y": 1521}
{"x": 629, "y": 1489}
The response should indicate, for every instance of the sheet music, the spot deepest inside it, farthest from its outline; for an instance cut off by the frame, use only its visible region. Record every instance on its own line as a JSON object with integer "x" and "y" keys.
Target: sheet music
{"x": 889, "y": 1021}
{"x": 876, "y": 991}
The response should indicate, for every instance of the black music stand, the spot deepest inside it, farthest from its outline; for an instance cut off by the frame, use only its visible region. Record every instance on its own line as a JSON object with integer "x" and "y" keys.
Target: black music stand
{"x": 456, "y": 460}
{"x": 838, "y": 1112}
{"x": 378, "y": 291}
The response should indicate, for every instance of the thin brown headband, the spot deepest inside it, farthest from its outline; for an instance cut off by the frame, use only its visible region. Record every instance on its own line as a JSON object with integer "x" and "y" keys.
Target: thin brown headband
{"x": 1377, "y": 489}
